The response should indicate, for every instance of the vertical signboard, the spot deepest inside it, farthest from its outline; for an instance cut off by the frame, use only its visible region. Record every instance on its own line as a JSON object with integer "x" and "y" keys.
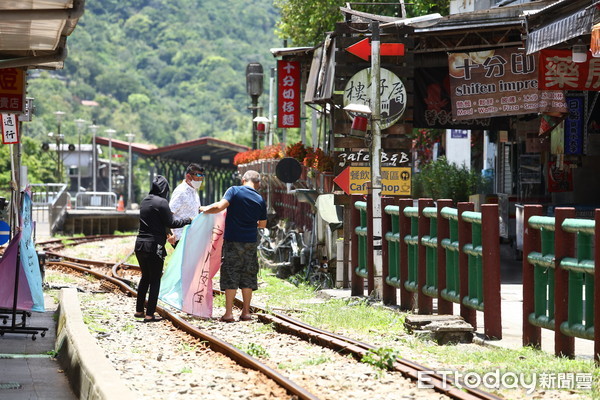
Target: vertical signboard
{"x": 10, "y": 129}
{"x": 12, "y": 90}
{"x": 288, "y": 97}
{"x": 574, "y": 126}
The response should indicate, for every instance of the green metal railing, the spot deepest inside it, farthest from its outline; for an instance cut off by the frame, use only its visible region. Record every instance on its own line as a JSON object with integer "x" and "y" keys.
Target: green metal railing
{"x": 393, "y": 238}
{"x": 452, "y": 290}
{"x": 580, "y": 321}
{"x": 543, "y": 273}
{"x": 361, "y": 232}
{"x": 431, "y": 243}
{"x": 412, "y": 240}
{"x": 474, "y": 250}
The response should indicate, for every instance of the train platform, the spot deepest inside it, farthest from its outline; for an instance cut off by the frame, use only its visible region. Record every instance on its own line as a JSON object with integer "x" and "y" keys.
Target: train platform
{"x": 28, "y": 369}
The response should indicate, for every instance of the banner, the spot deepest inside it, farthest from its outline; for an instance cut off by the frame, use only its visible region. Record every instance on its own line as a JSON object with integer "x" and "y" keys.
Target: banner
{"x": 558, "y": 72}
{"x": 29, "y": 258}
{"x": 187, "y": 281}
{"x": 8, "y": 269}
{"x": 10, "y": 129}
{"x": 433, "y": 107}
{"x": 288, "y": 94}
{"x": 498, "y": 82}
{"x": 12, "y": 90}
{"x": 574, "y": 126}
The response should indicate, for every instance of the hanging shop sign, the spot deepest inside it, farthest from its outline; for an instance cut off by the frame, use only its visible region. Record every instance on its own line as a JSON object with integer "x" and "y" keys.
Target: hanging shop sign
{"x": 392, "y": 94}
{"x": 10, "y": 129}
{"x": 498, "y": 82}
{"x": 288, "y": 94}
{"x": 558, "y": 71}
{"x": 433, "y": 106}
{"x": 574, "y": 126}
{"x": 395, "y": 181}
{"x": 12, "y": 90}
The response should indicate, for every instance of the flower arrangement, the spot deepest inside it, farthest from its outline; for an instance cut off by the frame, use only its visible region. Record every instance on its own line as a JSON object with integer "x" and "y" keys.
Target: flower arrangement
{"x": 312, "y": 158}
{"x": 270, "y": 152}
{"x": 297, "y": 151}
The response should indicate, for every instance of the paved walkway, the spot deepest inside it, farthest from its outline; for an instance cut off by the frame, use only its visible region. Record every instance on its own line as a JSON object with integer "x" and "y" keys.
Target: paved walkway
{"x": 27, "y": 369}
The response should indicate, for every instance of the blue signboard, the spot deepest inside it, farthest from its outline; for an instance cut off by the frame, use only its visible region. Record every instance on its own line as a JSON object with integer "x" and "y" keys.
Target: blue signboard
{"x": 4, "y": 232}
{"x": 574, "y": 126}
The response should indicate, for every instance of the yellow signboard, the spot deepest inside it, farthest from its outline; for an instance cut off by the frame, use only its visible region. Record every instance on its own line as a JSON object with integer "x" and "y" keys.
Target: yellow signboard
{"x": 395, "y": 181}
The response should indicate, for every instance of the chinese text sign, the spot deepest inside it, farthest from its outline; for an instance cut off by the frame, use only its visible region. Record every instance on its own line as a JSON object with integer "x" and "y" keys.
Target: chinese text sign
{"x": 288, "y": 98}
{"x": 498, "y": 82}
{"x": 10, "y": 129}
{"x": 12, "y": 90}
{"x": 559, "y": 72}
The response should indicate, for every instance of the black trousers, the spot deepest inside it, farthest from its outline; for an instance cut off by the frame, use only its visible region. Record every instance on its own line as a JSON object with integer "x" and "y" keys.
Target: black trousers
{"x": 151, "y": 266}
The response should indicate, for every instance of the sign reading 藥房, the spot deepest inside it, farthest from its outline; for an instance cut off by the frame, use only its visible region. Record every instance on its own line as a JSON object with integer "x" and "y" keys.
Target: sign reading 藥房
{"x": 498, "y": 82}
{"x": 392, "y": 91}
{"x": 559, "y": 72}
{"x": 288, "y": 97}
{"x": 12, "y": 90}
{"x": 10, "y": 129}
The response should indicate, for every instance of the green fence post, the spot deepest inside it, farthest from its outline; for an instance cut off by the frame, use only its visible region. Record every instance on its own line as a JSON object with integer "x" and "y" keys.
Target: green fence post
{"x": 443, "y": 232}
{"x": 357, "y": 282}
{"x": 388, "y": 255}
{"x": 424, "y": 303}
{"x": 464, "y": 237}
{"x": 404, "y": 230}
{"x": 531, "y": 242}
{"x": 564, "y": 245}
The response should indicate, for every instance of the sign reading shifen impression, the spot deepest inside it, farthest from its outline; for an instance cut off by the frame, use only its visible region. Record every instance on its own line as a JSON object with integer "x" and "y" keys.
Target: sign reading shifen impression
{"x": 498, "y": 82}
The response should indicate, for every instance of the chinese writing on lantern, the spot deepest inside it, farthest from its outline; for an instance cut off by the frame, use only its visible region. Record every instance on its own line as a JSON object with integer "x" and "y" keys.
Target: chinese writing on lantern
{"x": 10, "y": 129}
{"x": 288, "y": 99}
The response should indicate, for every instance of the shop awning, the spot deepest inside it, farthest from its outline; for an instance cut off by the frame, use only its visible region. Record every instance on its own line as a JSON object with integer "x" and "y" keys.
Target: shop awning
{"x": 33, "y": 32}
{"x": 558, "y": 23}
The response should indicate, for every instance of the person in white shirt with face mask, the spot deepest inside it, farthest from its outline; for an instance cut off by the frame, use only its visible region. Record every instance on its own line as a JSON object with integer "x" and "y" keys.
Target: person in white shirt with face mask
{"x": 185, "y": 200}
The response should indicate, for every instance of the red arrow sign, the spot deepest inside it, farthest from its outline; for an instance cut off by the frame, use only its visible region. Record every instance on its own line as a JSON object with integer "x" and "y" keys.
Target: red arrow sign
{"x": 362, "y": 49}
{"x": 343, "y": 180}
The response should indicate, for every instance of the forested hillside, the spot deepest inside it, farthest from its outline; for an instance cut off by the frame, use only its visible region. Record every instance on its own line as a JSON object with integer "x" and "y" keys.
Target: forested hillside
{"x": 166, "y": 70}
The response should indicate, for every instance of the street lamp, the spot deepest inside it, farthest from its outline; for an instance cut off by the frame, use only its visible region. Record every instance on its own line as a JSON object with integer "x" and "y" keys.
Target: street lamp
{"x": 94, "y": 129}
{"x": 254, "y": 87}
{"x": 59, "y": 116}
{"x": 109, "y": 133}
{"x": 130, "y": 137}
{"x": 262, "y": 126}
{"x": 79, "y": 123}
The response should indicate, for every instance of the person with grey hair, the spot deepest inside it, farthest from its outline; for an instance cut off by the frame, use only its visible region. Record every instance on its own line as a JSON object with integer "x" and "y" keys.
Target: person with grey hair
{"x": 246, "y": 212}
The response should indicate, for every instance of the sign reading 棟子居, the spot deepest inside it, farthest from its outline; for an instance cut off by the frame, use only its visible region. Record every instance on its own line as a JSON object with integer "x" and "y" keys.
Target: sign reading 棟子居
{"x": 559, "y": 72}
{"x": 498, "y": 82}
{"x": 288, "y": 97}
{"x": 12, "y": 90}
{"x": 391, "y": 89}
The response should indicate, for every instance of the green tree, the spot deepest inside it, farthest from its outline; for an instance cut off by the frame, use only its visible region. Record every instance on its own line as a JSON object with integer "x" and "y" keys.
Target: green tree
{"x": 305, "y": 22}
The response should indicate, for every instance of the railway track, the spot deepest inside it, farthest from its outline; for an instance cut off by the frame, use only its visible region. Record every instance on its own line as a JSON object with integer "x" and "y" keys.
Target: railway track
{"x": 122, "y": 276}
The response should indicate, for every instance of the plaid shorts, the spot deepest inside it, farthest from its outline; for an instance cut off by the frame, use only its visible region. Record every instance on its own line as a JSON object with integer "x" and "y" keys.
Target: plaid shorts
{"x": 239, "y": 266}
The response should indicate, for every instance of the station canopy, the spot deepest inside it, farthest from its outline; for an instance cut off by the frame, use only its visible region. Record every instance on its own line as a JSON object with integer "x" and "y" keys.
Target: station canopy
{"x": 203, "y": 151}
{"x": 33, "y": 33}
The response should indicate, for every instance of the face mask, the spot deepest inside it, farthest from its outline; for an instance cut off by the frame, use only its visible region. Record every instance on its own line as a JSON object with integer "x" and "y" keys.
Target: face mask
{"x": 196, "y": 184}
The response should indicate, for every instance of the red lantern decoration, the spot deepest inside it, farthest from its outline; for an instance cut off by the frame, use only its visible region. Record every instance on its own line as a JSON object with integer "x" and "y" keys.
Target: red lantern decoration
{"x": 359, "y": 126}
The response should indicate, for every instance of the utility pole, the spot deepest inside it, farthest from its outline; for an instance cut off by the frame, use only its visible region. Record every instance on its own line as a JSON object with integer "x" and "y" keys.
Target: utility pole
{"x": 376, "y": 155}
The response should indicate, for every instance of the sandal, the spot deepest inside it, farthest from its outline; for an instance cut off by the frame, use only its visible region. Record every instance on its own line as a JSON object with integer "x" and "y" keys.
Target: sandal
{"x": 245, "y": 317}
{"x": 153, "y": 319}
{"x": 139, "y": 314}
{"x": 223, "y": 319}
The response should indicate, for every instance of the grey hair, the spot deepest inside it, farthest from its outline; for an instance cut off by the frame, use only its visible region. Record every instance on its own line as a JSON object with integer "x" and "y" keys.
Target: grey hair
{"x": 251, "y": 176}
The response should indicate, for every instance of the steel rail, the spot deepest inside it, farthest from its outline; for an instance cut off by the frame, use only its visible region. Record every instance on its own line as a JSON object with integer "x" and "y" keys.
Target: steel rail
{"x": 214, "y": 343}
{"x": 297, "y": 328}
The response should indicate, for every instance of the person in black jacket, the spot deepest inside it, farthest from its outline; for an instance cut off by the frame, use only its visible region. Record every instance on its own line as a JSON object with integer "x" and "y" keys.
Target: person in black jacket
{"x": 156, "y": 219}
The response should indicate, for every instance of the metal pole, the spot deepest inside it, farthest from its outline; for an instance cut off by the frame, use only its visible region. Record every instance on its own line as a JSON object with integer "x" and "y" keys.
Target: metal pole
{"x": 130, "y": 137}
{"x": 79, "y": 123}
{"x": 271, "y": 105}
{"x": 94, "y": 128}
{"x": 110, "y": 132}
{"x": 376, "y": 156}
{"x": 254, "y": 115}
